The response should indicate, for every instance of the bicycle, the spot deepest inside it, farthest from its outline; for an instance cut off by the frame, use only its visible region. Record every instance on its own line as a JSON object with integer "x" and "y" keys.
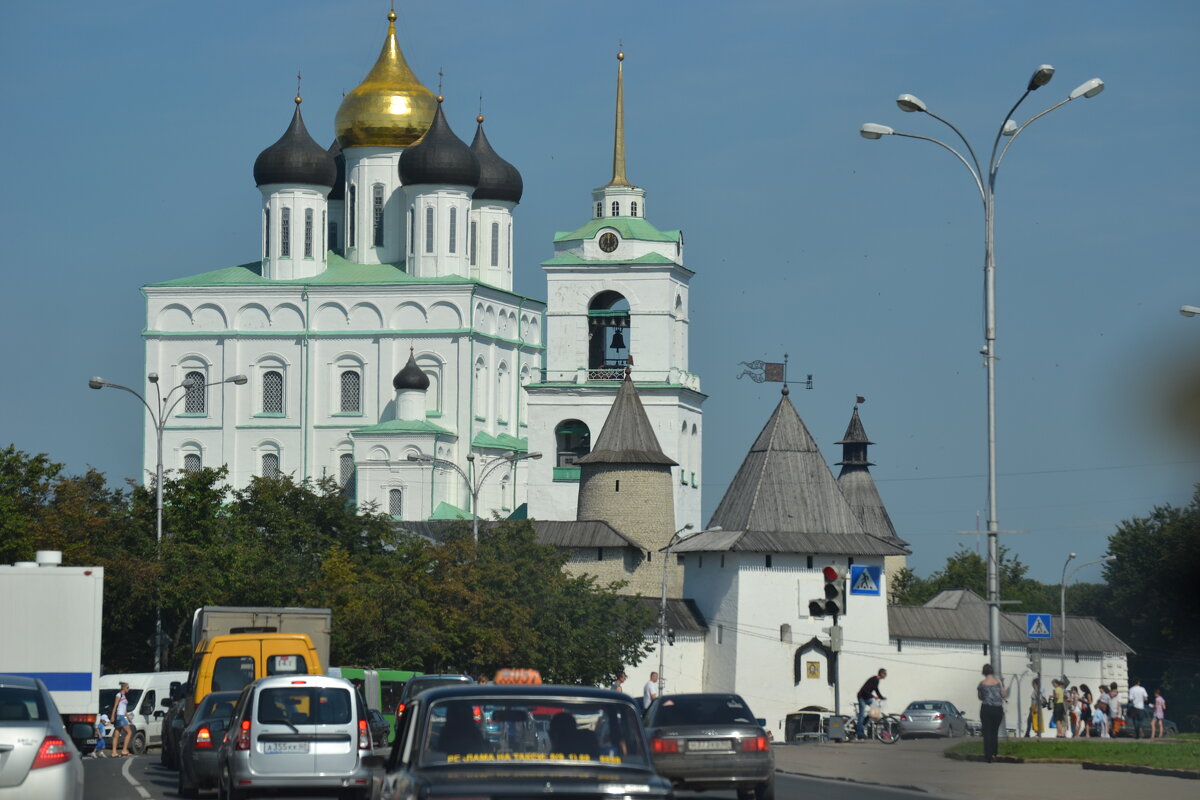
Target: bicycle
{"x": 885, "y": 728}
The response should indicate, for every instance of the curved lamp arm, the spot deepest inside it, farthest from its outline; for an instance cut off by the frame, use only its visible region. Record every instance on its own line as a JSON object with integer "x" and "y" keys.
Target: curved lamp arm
{"x": 874, "y": 131}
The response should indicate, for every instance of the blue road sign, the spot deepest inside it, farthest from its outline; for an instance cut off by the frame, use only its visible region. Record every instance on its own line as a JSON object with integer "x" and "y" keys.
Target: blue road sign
{"x": 865, "y": 580}
{"x": 1037, "y": 626}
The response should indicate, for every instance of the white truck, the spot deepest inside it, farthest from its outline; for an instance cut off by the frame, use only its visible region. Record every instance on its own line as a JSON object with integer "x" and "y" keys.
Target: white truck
{"x": 50, "y": 629}
{"x": 210, "y": 621}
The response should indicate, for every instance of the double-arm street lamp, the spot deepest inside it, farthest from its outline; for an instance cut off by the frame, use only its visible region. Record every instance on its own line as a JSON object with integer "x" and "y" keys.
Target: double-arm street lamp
{"x": 985, "y": 183}
{"x": 159, "y": 413}
{"x": 474, "y": 486}
{"x": 1062, "y": 609}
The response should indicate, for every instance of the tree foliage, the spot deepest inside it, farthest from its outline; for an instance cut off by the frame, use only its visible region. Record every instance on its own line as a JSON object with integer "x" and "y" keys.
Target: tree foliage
{"x": 967, "y": 569}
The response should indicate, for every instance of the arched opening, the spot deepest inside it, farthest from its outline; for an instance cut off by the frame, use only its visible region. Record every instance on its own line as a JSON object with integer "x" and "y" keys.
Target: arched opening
{"x": 574, "y": 441}
{"x": 609, "y": 336}
{"x": 800, "y": 666}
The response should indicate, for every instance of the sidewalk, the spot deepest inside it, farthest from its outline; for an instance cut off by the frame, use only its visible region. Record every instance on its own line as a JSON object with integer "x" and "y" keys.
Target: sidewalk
{"x": 919, "y": 764}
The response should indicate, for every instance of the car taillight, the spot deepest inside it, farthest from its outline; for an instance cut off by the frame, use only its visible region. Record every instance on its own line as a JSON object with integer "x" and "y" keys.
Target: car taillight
{"x": 53, "y": 751}
{"x": 939, "y": 716}
{"x": 658, "y": 745}
{"x": 203, "y": 739}
{"x": 243, "y": 737}
{"x": 88, "y": 718}
{"x": 904, "y": 717}
{"x": 477, "y": 712}
{"x": 364, "y": 735}
{"x": 758, "y": 744}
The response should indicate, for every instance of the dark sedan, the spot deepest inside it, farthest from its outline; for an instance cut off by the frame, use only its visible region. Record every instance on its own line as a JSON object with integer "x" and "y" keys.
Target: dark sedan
{"x": 199, "y": 742}
{"x": 711, "y": 741}
{"x": 489, "y": 741}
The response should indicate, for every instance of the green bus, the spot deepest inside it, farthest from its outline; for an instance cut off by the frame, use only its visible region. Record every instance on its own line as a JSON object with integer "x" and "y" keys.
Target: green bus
{"x": 380, "y": 687}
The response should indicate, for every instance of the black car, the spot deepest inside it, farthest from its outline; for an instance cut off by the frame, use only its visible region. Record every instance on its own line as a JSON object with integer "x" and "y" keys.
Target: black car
{"x": 200, "y": 741}
{"x": 379, "y": 727}
{"x": 489, "y": 741}
{"x": 421, "y": 683}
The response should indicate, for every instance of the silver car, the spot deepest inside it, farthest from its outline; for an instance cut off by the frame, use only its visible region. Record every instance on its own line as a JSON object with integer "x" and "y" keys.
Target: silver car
{"x": 711, "y": 741}
{"x": 307, "y": 732}
{"x": 37, "y": 757}
{"x": 932, "y": 718}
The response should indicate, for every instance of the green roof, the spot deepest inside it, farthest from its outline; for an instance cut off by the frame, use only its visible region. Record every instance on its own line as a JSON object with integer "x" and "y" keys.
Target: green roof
{"x": 446, "y": 511}
{"x": 403, "y": 426}
{"x": 568, "y": 260}
{"x": 629, "y": 228}
{"x": 503, "y": 442}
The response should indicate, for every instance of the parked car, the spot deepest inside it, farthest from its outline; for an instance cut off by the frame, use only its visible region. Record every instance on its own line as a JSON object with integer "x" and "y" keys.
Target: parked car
{"x": 932, "y": 718}
{"x": 306, "y": 732}
{"x": 519, "y": 741}
{"x": 37, "y": 757}
{"x": 421, "y": 683}
{"x": 711, "y": 741}
{"x": 200, "y": 742}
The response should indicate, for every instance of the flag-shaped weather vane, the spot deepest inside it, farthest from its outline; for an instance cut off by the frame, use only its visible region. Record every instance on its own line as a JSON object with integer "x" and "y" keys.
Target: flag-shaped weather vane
{"x": 771, "y": 372}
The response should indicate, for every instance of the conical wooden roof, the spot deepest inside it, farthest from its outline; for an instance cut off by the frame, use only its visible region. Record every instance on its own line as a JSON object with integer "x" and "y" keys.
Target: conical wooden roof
{"x": 627, "y": 436}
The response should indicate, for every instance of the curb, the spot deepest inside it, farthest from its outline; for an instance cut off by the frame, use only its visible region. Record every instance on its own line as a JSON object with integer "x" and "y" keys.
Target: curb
{"x": 1187, "y": 774}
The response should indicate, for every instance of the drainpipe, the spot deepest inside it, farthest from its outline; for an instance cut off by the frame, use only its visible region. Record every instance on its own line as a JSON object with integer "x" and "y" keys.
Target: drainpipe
{"x": 304, "y": 400}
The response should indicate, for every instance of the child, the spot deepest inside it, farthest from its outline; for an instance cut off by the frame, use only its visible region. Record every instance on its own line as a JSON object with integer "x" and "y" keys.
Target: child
{"x": 1160, "y": 712}
{"x": 101, "y": 727}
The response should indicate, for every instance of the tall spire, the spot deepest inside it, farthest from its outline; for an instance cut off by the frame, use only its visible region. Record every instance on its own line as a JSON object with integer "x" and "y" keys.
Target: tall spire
{"x": 618, "y": 176}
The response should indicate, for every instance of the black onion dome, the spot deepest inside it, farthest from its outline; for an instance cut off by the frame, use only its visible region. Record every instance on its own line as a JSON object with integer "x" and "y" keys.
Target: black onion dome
{"x": 338, "y": 192}
{"x": 440, "y": 157}
{"x": 411, "y": 377}
{"x": 295, "y": 158}
{"x": 498, "y": 179}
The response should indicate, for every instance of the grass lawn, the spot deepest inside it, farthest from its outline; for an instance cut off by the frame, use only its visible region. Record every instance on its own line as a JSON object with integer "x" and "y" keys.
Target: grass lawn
{"x": 1179, "y": 753}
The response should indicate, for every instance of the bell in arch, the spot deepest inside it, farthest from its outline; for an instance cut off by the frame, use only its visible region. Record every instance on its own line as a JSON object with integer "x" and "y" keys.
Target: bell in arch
{"x": 618, "y": 341}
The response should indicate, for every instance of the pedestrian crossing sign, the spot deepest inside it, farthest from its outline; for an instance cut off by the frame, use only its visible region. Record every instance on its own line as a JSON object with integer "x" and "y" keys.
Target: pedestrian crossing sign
{"x": 1037, "y": 626}
{"x": 865, "y": 580}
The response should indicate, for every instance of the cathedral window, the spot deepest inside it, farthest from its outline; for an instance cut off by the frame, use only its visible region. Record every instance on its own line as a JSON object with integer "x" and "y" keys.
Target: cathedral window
{"x": 333, "y": 235}
{"x": 508, "y": 248}
{"x": 599, "y": 209}
{"x": 429, "y": 229}
{"x": 270, "y": 465}
{"x": 285, "y": 233}
{"x": 191, "y": 463}
{"x": 267, "y": 232}
{"x": 633, "y": 209}
{"x": 616, "y": 209}
{"x": 272, "y": 392}
{"x": 411, "y": 230}
{"x": 308, "y": 233}
{"x": 323, "y": 247}
{"x": 195, "y": 401}
{"x": 377, "y": 212}
{"x": 471, "y": 244}
{"x": 495, "y": 244}
{"x": 453, "y": 230}
{"x": 396, "y": 503}
{"x": 353, "y": 216}
{"x": 351, "y": 392}
{"x": 346, "y": 473}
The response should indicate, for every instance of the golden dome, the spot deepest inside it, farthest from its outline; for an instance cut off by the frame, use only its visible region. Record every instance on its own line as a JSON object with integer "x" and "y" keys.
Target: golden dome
{"x": 390, "y": 108}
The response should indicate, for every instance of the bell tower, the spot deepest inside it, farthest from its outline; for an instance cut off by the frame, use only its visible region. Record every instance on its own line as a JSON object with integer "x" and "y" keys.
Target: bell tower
{"x": 617, "y": 293}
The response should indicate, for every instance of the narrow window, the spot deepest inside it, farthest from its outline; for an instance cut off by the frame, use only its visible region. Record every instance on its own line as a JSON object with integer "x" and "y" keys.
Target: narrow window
{"x": 333, "y": 237}
{"x": 272, "y": 392}
{"x": 453, "y": 230}
{"x": 508, "y": 248}
{"x": 285, "y": 234}
{"x": 308, "y": 233}
{"x": 809, "y": 562}
{"x": 267, "y": 228}
{"x": 377, "y": 211}
{"x": 411, "y": 230}
{"x": 618, "y": 488}
{"x": 396, "y": 503}
{"x": 191, "y": 463}
{"x": 429, "y": 229}
{"x": 495, "y": 244}
{"x": 616, "y": 209}
{"x": 194, "y": 402}
{"x": 270, "y": 465}
{"x": 351, "y": 384}
{"x": 346, "y": 473}
{"x": 768, "y": 560}
{"x": 599, "y": 209}
{"x": 323, "y": 247}
{"x": 599, "y": 553}
{"x": 471, "y": 244}
{"x": 633, "y": 209}
{"x": 353, "y": 215}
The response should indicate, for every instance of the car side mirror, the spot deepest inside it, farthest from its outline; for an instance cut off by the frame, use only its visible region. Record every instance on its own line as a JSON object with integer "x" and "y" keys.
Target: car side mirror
{"x": 168, "y": 701}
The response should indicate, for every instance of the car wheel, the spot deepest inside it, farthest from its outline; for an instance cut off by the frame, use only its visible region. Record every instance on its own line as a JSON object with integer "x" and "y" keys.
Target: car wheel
{"x": 765, "y": 790}
{"x": 137, "y": 745}
{"x": 184, "y": 788}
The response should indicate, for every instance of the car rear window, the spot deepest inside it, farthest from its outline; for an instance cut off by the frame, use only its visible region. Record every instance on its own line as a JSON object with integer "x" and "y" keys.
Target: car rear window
{"x": 218, "y": 707}
{"x": 726, "y": 710}
{"x": 531, "y": 730}
{"x": 305, "y": 705}
{"x": 21, "y": 705}
{"x": 418, "y": 685}
{"x": 231, "y": 673}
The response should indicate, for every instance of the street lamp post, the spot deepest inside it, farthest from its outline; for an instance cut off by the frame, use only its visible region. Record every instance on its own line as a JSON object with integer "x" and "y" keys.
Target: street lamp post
{"x": 985, "y": 183}
{"x": 662, "y": 608}
{"x": 1062, "y": 626}
{"x": 512, "y": 457}
{"x": 159, "y": 414}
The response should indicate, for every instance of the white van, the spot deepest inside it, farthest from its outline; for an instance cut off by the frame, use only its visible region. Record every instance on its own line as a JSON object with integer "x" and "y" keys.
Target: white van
{"x": 147, "y": 690}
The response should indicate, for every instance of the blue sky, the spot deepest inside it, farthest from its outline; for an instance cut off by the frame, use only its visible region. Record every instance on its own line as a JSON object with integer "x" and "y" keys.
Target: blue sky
{"x": 132, "y": 127}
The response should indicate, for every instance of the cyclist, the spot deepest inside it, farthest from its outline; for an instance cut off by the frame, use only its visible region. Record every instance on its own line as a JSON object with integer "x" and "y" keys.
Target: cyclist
{"x": 866, "y": 695}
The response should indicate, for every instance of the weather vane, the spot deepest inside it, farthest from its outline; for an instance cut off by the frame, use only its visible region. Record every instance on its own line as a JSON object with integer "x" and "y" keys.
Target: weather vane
{"x": 771, "y": 372}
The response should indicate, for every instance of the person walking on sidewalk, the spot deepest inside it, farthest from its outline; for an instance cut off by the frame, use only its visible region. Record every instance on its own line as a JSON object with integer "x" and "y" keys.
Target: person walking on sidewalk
{"x": 1100, "y": 713}
{"x": 1136, "y": 710}
{"x": 866, "y": 696}
{"x": 124, "y": 730}
{"x": 1085, "y": 712}
{"x": 1033, "y": 722}
{"x": 1160, "y": 713}
{"x": 1060, "y": 711}
{"x": 991, "y": 693}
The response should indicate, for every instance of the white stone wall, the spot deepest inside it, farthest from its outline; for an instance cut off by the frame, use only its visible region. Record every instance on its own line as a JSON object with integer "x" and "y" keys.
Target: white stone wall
{"x": 445, "y": 210}
{"x": 298, "y": 201}
{"x": 485, "y": 214}
{"x": 365, "y": 167}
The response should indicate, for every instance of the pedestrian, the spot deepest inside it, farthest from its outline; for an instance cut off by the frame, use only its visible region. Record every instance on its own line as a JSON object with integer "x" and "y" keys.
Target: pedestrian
{"x": 1060, "y": 711}
{"x": 991, "y": 693}
{"x": 866, "y": 696}
{"x": 1116, "y": 720}
{"x": 619, "y": 684}
{"x": 1072, "y": 709}
{"x": 101, "y": 729}
{"x": 1034, "y": 720}
{"x": 1160, "y": 713}
{"x": 1084, "y": 728}
{"x": 1100, "y": 714}
{"x": 124, "y": 730}
{"x": 1135, "y": 712}
{"x": 649, "y": 692}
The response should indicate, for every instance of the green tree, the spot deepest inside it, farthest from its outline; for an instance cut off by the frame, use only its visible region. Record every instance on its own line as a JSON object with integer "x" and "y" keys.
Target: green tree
{"x": 967, "y": 569}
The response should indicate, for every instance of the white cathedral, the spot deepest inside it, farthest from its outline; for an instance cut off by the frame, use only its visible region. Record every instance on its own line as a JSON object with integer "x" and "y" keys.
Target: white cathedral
{"x": 383, "y": 342}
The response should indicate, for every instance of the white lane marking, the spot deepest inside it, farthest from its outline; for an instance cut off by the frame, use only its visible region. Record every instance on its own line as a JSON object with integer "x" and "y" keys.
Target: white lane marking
{"x": 125, "y": 770}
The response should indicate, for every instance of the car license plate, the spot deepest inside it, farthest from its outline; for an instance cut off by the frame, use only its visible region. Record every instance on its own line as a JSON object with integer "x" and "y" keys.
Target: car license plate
{"x": 709, "y": 744}
{"x": 286, "y": 747}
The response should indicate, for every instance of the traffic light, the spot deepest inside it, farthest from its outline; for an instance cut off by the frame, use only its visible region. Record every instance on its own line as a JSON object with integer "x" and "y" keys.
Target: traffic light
{"x": 834, "y": 601}
{"x": 1035, "y": 663}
